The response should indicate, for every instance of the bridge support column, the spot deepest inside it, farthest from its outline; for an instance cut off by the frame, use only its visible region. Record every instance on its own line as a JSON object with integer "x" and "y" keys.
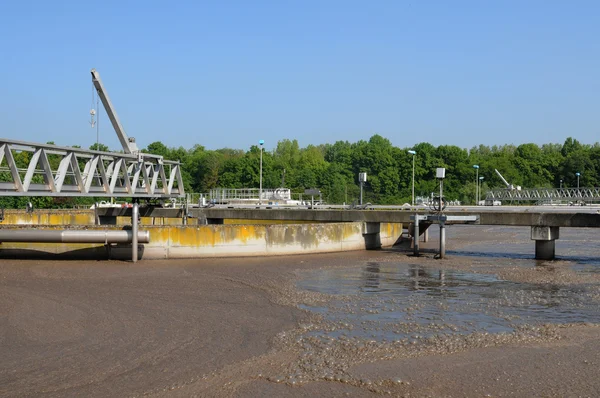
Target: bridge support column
{"x": 416, "y": 235}
{"x": 544, "y": 241}
{"x": 442, "y": 240}
{"x": 370, "y": 232}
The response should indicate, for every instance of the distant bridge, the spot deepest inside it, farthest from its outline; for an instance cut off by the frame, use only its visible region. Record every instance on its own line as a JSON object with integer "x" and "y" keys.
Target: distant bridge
{"x": 542, "y": 196}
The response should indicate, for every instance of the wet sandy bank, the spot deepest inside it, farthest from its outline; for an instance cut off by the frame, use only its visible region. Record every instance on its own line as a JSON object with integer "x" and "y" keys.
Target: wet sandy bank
{"x": 233, "y": 327}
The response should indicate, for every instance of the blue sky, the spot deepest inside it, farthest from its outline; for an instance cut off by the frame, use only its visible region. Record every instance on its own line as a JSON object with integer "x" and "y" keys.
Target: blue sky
{"x": 229, "y": 73}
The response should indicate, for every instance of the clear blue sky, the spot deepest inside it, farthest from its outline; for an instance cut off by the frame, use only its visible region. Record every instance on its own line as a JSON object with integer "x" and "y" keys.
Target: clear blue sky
{"x": 229, "y": 73}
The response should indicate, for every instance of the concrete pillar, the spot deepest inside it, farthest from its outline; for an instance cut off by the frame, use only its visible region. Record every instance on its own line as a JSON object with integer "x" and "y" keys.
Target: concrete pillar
{"x": 371, "y": 234}
{"x": 426, "y": 235}
{"x": 544, "y": 250}
{"x": 544, "y": 241}
{"x": 416, "y": 235}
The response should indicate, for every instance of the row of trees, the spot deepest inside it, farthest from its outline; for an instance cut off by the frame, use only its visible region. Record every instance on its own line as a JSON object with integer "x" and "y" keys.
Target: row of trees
{"x": 334, "y": 169}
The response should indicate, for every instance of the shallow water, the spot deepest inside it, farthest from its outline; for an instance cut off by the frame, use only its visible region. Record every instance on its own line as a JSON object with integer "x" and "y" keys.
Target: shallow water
{"x": 580, "y": 245}
{"x": 404, "y": 299}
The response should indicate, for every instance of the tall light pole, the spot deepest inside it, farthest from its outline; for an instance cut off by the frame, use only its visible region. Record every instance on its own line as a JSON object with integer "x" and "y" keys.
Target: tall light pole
{"x": 261, "y": 143}
{"x": 560, "y": 184}
{"x": 578, "y": 174}
{"x": 476, "y": 167}
{"x": 479, "y": 189}
{"x": 413, "y": 178}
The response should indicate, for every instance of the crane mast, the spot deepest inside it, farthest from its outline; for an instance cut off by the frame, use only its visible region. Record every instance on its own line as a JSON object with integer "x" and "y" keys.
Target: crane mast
{"x": 508, "y": 186}
{"x": 128, "y": 143}
{"x": 502, "y": 178}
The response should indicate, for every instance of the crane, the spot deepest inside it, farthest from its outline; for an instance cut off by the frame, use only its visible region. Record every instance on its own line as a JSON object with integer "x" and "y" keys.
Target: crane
{"x": 128, "y": 143}
{"x": 508, "y": 186}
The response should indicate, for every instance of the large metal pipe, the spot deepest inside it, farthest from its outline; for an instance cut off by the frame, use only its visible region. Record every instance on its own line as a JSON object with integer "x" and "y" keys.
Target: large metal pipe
{"x": 55, "y": 236}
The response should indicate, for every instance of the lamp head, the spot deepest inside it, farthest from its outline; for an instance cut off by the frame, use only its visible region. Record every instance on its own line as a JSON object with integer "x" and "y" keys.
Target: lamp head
{"x": 412, "y": 152}
{"x": 475, "y": 166}
{"x": 261, "y": 142}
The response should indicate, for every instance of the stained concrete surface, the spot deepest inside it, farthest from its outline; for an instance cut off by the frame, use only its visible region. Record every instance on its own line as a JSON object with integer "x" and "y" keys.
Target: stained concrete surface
{"x": 233, "y": 328}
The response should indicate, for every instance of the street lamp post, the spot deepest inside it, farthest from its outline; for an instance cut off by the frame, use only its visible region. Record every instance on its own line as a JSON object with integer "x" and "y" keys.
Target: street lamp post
{"x": 413, "y": 178}
{"x": 476, "y": 167}
{"x": 560, "y": 184}
{"x": 261, "y": 143}
{"x": 578, "y": 174}
{"x": 479, "y": 188}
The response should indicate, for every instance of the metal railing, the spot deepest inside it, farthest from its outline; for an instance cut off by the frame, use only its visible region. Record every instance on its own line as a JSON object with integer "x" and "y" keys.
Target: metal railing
{"x": 226, "y": 195}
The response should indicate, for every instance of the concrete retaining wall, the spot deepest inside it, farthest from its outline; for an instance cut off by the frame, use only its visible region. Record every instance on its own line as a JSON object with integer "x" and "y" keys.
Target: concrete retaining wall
{"x": 87, "y": 217}
{"x": 197, "y": 241}
{"x": 75, "y": 217}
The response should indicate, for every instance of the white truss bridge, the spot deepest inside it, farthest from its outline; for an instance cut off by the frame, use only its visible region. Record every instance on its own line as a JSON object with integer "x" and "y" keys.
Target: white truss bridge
{"x": 546, "y": 195}
{"x": 65, "y": 171}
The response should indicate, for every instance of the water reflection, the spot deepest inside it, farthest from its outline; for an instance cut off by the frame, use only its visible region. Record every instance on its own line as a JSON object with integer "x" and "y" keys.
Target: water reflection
{"x": 398, "y": 300}
{"x": 416, "y": 278}
{"x": 371, "y": 277}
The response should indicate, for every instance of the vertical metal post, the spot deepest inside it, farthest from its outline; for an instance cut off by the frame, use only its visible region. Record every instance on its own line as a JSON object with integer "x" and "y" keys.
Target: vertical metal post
{"x": 477, "y": 188}
{"x": 412, "y": 202}
{"x": 134, "y": 231}
{"x": 476, "y": 167}
{"x": 441, "y": 192}
{"x": 185, "y": 211}
{"x": 442, "y": 239}
{"x": 413, "y": 195}
{"x": 361, "y": 190}
{"x": 416, "y": 235}
{"x": 479, "y": 185}
{"x": 261, "y": 142}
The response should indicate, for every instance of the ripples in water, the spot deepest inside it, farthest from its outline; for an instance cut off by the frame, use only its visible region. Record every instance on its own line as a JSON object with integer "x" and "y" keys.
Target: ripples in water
{"x": 394, "y": 301}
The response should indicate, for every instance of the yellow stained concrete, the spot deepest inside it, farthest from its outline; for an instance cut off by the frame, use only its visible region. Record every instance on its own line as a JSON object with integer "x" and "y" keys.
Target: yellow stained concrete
{"x": 168, "y": 238}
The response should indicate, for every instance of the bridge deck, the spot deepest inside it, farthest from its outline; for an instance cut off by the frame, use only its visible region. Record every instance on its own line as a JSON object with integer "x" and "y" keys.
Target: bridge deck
{"x": 565, "y": 216}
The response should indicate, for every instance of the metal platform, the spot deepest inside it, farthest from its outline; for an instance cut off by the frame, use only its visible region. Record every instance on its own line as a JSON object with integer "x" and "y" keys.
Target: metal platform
{"x": 447, "y": 219}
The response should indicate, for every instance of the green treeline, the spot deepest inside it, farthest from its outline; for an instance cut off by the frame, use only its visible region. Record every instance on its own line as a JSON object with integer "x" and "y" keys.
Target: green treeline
{"x": 334, "y": 168}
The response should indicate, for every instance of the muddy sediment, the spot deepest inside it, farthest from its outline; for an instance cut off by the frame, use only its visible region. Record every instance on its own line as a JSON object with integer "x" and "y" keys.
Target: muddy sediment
{"x": 244, "y": 327}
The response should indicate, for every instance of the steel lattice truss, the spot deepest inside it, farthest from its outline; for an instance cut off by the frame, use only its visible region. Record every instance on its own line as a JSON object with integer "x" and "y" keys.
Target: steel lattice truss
{"x": 64, "y": 171}
{"x": 546, "y": 194}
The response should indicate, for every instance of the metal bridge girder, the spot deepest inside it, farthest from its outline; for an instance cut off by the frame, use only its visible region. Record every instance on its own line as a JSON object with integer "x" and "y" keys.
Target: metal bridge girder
{"x": 81, "y": 172}
{"x": 545, "y": 194}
